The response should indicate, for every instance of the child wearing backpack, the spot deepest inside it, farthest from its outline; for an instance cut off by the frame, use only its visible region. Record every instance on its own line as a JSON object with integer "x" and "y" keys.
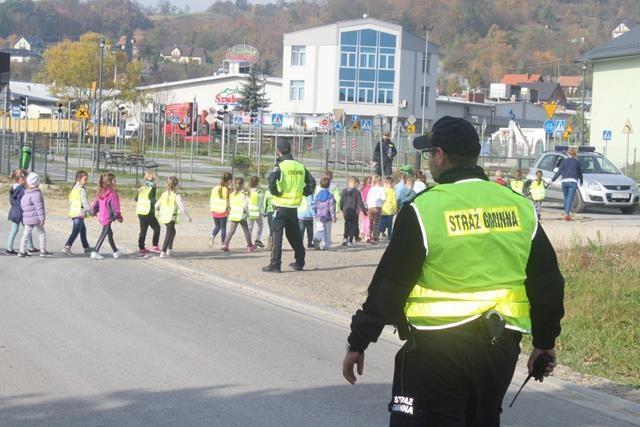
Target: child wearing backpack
{"x": 325, "y": 214}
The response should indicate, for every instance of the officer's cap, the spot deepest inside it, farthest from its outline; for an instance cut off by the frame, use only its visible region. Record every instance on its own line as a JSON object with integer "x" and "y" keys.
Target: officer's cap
{"x": 453, "y": 135}
{"x": 284, "y": 147}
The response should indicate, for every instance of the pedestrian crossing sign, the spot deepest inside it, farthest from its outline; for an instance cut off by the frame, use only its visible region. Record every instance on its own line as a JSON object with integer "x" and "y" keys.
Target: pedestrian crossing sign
{"x": 237, "y": 120}
{"x": 276, "y": 120}
{"x": 561, "y": 126}
{"x": 365, "y": 125}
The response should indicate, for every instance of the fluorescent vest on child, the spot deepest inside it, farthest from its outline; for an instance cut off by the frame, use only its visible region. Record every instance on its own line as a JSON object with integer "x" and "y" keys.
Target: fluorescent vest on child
{"x": 236, "y": 201}
{"x": 218, "y": 204}
{"x": 75, "y": 203}
{"x": 537, "y": 190}
{"x": 143, "y": 207}
{"x": 517, "y": 185}
{"x": 290, "y": 185}
{"x": 254, "y": 203}
{"x": 390, "y": 205}
{"x": 478, "y": 238}
{"x": 267, "y": 202}
{"x": 169, "y": 210}
{"x": 303, "y": 207}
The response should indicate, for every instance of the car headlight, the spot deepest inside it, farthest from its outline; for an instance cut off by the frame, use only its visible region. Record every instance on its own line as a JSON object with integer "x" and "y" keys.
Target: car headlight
{"x": 592, "y": 185}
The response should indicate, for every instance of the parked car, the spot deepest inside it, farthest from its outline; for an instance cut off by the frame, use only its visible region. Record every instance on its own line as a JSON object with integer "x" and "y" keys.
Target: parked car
{"x": 604, "y": 185}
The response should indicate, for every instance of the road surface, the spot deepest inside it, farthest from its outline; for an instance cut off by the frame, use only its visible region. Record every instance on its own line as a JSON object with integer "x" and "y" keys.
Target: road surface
{"x": 133, "y": 342}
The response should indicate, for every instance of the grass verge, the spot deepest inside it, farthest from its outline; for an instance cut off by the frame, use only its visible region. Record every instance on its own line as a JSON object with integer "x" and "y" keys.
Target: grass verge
{"x": 601, "y": 328}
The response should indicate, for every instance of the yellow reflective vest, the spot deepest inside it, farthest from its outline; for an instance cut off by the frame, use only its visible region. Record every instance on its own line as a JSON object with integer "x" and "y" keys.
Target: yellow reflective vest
{"x": 219, "y": 204}
{"x": 169, "y": 210}
{"x": 537, "y": 190}
{"x": 75, "y": 203}
{"x": 236, "y": 202}
{"x": 291, "y": 184}
{"x": 517, "y": 185}
{"x": 478, "y": 237}
{"x": 143, "y": 205}
{"x": 254, "y": 203}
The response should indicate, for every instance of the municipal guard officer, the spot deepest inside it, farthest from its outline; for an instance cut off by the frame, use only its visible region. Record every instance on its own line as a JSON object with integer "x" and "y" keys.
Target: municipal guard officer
{"x": 288, "y": 183}
{"x": 467, "y": 272}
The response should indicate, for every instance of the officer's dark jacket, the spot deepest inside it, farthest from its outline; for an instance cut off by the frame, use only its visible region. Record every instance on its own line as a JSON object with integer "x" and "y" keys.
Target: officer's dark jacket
{"x": 401, "y": 265}
{"x": 274, "y": 177}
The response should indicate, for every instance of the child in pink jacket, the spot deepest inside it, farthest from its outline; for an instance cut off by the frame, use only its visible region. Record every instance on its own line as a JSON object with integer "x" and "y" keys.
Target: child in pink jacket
{"x": 107, "y": 208}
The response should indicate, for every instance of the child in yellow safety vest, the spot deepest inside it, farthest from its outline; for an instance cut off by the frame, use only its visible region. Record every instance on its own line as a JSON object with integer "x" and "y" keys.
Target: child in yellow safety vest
{"x": 389, "y": 208}
{"x": 267, "y": 212}
{"x": 79, "y": 208}
{"x": 255, "y": 210}
{"x": 517, "y": 183}
{"x": 168, "y": 210}
{"x": 219, "y": 205}
{"x": 238, "y": 214}
{"x": 145, "y": 209}
{"x": 537, "y": 192}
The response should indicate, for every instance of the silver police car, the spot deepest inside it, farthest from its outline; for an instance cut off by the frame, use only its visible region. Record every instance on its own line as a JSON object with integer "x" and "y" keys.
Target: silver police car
{"x": 604, "y": 184}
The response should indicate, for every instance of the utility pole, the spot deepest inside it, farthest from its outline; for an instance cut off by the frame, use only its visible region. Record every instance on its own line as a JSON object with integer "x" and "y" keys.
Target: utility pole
{"x": 99, "y": 106}
{"x": 424, "y": 75}
{"x": 584, "y": 78}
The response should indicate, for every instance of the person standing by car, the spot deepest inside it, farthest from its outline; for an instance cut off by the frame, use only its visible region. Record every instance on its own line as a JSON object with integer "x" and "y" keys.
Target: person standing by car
{"x": 571, "y": 172}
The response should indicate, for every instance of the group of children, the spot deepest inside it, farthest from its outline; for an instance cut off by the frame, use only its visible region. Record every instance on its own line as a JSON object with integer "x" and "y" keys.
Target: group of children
{"x": 535, "y": 189}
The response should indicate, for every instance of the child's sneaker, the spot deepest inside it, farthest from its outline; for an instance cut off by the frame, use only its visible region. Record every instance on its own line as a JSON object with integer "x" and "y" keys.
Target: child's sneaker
{"x": 316, "y": 244}
{"x": 155, "y": 249}
{"x": 352, "y": 244}
{"x": 45, "y": 253}
{"x": 96, "y": 255}
{"x": 67, "y": 250}
{"x": 10, "y": 252}
{"x": 143, "y": 253}
{"x": 164, "y": 255}
{"x": 225, "y": 248}
{"x": 24, "y": 254}
{"x": 117, "y": 254}
{"x": 211, "y": 241}
{"x": 251, "y": 248}
{"x": 170, "y": 252}
{"x": 345, "y": 242}
{"x": 33, "y": 251}
{"x": 259, "y": 244}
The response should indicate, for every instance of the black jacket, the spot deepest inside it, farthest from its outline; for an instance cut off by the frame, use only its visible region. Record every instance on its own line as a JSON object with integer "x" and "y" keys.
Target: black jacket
{"x": 15, "y": 211}
{"x": 351, "y": 203}
{"x": 388, "y": 149}
{"x": 569, "y": 168}
{"x": 401, "y": 265}
{"x": 274, "y": 177}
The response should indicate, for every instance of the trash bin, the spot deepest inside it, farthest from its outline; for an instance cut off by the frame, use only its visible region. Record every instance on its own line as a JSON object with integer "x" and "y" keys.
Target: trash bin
{"x": 25, "y": 158}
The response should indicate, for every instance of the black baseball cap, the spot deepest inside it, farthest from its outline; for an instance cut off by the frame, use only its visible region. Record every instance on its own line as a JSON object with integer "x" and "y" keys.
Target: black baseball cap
{"x": 453, "y": 135}
{"x": 284, "y": 147}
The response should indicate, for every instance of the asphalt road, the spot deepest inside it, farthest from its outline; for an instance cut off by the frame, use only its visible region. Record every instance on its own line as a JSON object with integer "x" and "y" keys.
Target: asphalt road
{"x": 124, "y": 342}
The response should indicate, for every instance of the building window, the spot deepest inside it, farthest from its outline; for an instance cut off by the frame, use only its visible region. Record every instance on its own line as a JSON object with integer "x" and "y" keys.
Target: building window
{"x": 298, "y": 56}
{"x": 426, "y": 67}
{"x": 424, "y": 97}
{"x": 296, "y": 90}
{"x": 367, "y": 66}
{"x": 347, "y": 91}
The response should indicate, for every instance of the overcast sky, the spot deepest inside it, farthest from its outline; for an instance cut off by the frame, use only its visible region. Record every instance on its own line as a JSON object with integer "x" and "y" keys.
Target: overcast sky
{"x": 195, "y": 5}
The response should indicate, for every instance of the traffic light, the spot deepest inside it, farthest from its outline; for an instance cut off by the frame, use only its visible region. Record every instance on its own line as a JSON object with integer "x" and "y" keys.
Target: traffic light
{"x": 23, "y": 103}
{"x": 252, "y": 117}
{"x": 59, "y": 108}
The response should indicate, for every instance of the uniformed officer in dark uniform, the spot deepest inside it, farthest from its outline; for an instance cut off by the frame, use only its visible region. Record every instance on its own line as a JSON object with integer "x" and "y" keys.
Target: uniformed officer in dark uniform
{"x": 383, "y": 155}
{"x": 289, "y": 182}
{"x": 467, "y": 272}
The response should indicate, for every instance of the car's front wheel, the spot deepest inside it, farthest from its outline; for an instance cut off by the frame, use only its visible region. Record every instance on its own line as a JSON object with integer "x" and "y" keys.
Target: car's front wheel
{"x": 578, "y": 204}
{"x": 629, "y": 210}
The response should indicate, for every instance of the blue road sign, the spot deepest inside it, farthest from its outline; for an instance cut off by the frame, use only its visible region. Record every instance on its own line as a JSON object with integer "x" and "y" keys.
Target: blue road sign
{"x": 561, "y": 125}
{"x": 606, "y": 135}
{"x": 15, "y": 112}
{"x": 549, "y": 126}
{"x": 338, "y": 126}
{"x": 174, "y": 119}
{"x": 276, "y": 120}
{"x": 355, "y": 118}
{"x": 365, "y": 125}
{"x": 237, "y": 120}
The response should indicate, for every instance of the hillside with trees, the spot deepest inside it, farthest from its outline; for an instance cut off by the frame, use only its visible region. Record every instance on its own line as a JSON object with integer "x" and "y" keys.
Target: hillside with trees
{"x": 479, "y": 40}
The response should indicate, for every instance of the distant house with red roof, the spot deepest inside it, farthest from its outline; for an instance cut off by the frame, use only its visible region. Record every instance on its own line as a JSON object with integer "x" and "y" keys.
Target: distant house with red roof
{"x": 516, "y": 79}
{"x": 570, "y": 84}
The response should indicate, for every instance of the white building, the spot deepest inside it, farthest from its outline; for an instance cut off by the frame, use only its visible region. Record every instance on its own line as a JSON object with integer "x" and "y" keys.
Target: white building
{"x": 365, "y": 67}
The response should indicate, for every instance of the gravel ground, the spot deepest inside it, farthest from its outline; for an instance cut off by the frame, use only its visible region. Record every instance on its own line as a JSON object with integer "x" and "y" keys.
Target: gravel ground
{"x": 337, "y": 278}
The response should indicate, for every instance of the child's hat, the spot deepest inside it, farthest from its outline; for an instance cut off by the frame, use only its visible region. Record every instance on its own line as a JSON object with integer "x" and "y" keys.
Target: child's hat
{"x": 33, "y": 179}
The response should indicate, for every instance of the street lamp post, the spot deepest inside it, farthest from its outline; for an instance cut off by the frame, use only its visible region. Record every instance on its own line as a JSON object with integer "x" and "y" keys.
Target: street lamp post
{"x": 424, "y": 76}
{"x": 99, "y": 106}
{"x": 584, "y": 77}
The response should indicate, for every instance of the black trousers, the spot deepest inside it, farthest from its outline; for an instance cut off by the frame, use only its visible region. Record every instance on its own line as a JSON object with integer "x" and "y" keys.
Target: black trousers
{"x": 147, "y": 221}
{"x": 106, "y": 233}
{"x": 453, "y": 377}
{"x": 285, "y": 221}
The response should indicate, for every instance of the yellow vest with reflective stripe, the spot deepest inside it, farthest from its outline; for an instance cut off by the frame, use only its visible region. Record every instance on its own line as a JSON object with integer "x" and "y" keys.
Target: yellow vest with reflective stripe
{"x": 75, "y": 203}
{"x": 290, "y": 185}
{"x": 390, "y": 205}
{"x": 254, "y": 203}
{"x": 478, "y": 238}
{"x": 537, "y": 190}
{"x": 169, "y": 210}
{"x": 517, "y": 185}
{"x": 218, "y": 204}
{"x": 267, "y": 202}
{"x": 236, "y": 202}
{"x": 143, "y": 206}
